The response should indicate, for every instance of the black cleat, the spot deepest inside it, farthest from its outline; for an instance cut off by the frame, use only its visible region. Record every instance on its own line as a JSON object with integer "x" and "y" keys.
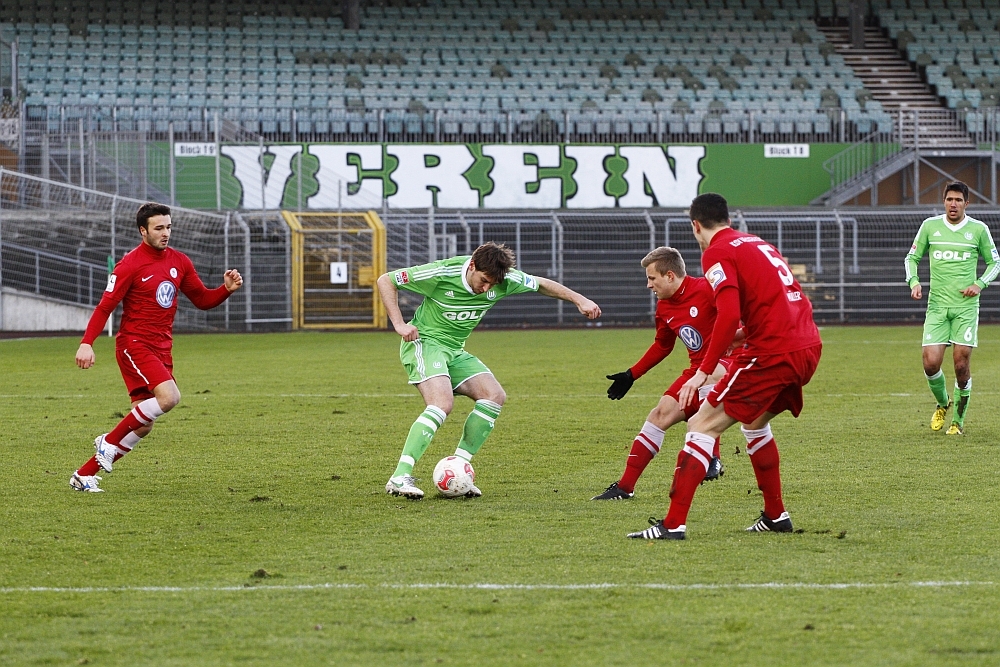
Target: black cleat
{"x": 715, "y": 470}
{"x": 657, "y": 531}
{"x": 614, "y": 492}
{"x": 783, "y": 524}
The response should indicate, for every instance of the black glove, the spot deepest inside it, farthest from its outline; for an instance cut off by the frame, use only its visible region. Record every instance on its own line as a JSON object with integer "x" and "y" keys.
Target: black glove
{"x": 622, "y": 383}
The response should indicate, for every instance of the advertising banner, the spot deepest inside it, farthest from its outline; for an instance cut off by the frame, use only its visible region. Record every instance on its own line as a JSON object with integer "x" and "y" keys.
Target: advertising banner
{"x": 501, "y": 176}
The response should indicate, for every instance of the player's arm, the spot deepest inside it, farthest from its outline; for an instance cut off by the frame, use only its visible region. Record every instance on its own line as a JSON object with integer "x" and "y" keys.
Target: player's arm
{"x": 204, "y": 298}
{"x": 727, "y": 321}
{"x": 662, "y": 346}
{"x": 551, "y": 288}
{"x": 113, "y": 294}
{"x": 917, "y": 250}
{"x": 988, "y": 251}
{"x": 390, "y": 299}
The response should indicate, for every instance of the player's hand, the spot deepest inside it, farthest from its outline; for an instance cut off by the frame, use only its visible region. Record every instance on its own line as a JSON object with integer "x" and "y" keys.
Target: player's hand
{"x": 622, "y": 382}
{"x": 916, "y": 292}
{"x": 407, "y": 331}
{"x": 85, "y": 356}
{"x": 233, "y": 280}
{"x": 971, "y": 290}
{"x": 589, "y": 309}
{"x": 690, "y": 388}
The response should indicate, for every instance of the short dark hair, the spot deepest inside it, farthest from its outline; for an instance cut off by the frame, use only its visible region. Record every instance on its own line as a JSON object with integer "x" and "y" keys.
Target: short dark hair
{"x": 957, "y": 186}
{"x": 665, "y": 259}
{"x": 493, "y": 259}
{"x": 147, "y": 211}
{"x": 710, "y": 209}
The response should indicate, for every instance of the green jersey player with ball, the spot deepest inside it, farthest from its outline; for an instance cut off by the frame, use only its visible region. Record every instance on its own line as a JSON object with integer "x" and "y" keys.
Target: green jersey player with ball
{"x": 457, "y": 294}
{"x": 955, "y": 242}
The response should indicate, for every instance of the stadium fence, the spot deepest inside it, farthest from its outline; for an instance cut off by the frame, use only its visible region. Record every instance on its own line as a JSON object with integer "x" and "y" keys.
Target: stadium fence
{"x": 55, "y": 240}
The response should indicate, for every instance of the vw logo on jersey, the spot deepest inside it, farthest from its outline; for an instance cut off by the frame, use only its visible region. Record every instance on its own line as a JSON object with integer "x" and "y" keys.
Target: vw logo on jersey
{"x": 166, "y": 291}
{"x": 690, "y": 337}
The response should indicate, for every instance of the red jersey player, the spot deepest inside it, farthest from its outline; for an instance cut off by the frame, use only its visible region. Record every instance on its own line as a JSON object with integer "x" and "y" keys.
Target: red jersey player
{"x": 685, "y": 309}
{"x": 146, "y": 282}
{"x": 752, "y": 282}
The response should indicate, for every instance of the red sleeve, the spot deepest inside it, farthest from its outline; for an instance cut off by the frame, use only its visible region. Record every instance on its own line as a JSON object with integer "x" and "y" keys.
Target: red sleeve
{"x": 195, "y": 290}
{"x": 662, "y": 345}
{"x": 727, "y": 303}
{"x": 118, "y": 284}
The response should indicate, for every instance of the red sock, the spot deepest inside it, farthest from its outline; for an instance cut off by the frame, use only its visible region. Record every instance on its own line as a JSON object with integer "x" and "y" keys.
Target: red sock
{"x": 89, "y": 468}
{"x": 142, "y": 414}
{"x": 644, "y": 448}
{"x": 764, "y": 458}
{"x": 692, "y": 464}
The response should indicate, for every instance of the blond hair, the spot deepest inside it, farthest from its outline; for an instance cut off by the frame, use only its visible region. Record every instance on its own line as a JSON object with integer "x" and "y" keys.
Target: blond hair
{"x": 665, "y": 259}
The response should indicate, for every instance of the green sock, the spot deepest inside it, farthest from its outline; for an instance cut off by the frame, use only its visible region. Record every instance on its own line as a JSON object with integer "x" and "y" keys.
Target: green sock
{"x": 420, "y": 436}
{"x": 478, "y": 426}
{"x": 938, "y": 388}
{"x": 961, "y": 403}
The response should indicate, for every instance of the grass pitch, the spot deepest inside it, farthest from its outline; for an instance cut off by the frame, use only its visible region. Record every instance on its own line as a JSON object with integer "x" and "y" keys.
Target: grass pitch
{"x": 252, "y": 526}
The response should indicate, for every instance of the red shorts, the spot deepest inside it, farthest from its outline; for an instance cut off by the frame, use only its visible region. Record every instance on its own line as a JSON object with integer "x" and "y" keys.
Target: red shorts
{"x": 143, "y": 368}
{"x": 674, "y": 390}
{"x": 773, "y": 383}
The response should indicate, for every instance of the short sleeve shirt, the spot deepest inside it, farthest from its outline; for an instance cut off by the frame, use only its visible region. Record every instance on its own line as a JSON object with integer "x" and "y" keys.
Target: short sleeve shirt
{"x": 450, "y": 309}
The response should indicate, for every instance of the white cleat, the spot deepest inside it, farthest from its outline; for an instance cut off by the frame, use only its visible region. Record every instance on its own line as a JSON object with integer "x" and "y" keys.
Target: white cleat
{"x": 403, "y": 485}
{"x": 86, "y": 483}
{"x": 105, "y": 452}
{"x": 474, "y": 492}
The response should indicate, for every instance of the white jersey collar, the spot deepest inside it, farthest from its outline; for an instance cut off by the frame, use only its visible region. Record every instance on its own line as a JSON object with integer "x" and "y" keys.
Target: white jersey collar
{"x": 952, "y": 227}
{"x": 465, "y": 272}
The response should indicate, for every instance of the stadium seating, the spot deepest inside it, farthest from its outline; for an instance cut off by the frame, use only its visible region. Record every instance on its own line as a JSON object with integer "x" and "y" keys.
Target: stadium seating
{"x": 709, "y": 65}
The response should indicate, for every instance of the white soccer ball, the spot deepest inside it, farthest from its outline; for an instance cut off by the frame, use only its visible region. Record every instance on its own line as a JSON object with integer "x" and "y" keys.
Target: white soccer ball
{"x": 453, "y": 476}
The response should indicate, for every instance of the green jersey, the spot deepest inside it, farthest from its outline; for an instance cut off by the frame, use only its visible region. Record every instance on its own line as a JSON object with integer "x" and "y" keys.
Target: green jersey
{"x": 450, "y": 309}
{"x": 954, "y": 255}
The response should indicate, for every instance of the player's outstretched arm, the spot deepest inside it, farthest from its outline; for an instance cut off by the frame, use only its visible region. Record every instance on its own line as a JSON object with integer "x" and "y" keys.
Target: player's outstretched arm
{"x": 390, "y": 298}
{"x": 203, "y": 298}
{"x": 551, "y": 288}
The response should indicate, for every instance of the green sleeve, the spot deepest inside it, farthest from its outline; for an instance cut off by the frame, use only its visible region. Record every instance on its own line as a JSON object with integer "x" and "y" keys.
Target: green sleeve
{"x": 518, "y": 282}
{"x": 421, "y": 279}
{"x": 913, "y": 257}
{"x": 988, "y": 250}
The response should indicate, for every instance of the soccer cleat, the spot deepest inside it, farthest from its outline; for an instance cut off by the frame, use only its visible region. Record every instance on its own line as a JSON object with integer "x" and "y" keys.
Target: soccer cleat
{"x": 657, "y": 531}
{"x": 614, "y": 492}
{"x": 783, "y": 524}
{"x": 85, "y": 483}
{"x": 474, "y": 492}
{"x": 937, "y": 419}
{"x": 404, "y": 485}
{"x": 955, "y": 429}
{"x": 105, "y": 452}
{"x": 715, "y": 470}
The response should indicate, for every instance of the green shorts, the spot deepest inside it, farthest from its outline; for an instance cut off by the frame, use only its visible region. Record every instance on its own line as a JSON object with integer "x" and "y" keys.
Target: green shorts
{"x": 947, "y": 326}
{"x": 425, "y": 358}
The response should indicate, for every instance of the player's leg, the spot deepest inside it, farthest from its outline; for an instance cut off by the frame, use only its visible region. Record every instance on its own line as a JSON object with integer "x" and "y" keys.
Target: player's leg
{"x": 438, "y": 401}
{"x": 136, "y": 424}
{"x": 715, "y": 467}
{"x": 965, "y": 335}
{"x": 472, "y": 378}
{"x": 937, "y": 332}
{"x": 645, "y": 446}
{"x": 766, "y": 462}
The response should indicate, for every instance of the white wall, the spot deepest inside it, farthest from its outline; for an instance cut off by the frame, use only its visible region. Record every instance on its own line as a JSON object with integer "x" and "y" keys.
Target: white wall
{"x": 24, "y": 311}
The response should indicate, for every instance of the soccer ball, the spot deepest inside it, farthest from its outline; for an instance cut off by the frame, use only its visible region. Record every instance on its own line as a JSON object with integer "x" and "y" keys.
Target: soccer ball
{"x": 453, "y": 476}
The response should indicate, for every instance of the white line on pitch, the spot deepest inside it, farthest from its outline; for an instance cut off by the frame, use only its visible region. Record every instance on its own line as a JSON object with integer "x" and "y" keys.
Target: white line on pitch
{"x": 499, "y": 587}
{"x": 416, "y": 395}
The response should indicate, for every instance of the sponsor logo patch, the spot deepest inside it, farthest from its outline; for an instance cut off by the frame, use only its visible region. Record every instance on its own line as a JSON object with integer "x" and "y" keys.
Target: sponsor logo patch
{"x": 402, "y": 277}
{"x": 690, "y": 337}
{"x": 715, "y": 275}
{"x": 450, "y": 293}
{"x": 492, "y": 294}
{"x": 937, "y": 233}
{"x": 165, "y": 294}
{"x": 173, "y": 272}
{"x": 112, "y": 278}
{"x": 530, "y": 282}
{"x": 968, "y": 236}
{"x": 995, "y": 255}
{"x": 694, "y": 311}
{"x": 794, "y": 296}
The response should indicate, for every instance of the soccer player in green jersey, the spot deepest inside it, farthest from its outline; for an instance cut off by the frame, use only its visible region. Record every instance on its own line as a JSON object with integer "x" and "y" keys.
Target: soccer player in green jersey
{"x": 457, "y": 293}
{"x": 955, "y": 243}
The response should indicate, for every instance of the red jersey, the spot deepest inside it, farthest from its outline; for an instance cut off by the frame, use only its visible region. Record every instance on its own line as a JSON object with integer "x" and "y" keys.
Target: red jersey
{"x": 777, "y": 316}
{"x": 146, "y": 282}
{"x": 689, "y": 315}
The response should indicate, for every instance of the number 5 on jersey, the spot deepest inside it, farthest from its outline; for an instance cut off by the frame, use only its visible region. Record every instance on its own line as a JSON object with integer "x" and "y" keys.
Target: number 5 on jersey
{"x": 783, "y": 271}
